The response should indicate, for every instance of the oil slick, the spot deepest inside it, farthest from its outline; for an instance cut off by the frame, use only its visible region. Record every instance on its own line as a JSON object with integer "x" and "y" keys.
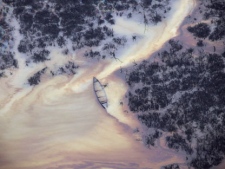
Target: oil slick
{"x": 59, "y": 124}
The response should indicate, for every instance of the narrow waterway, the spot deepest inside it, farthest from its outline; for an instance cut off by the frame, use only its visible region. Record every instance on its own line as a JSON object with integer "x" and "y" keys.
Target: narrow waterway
{"x": 60, "y": 124}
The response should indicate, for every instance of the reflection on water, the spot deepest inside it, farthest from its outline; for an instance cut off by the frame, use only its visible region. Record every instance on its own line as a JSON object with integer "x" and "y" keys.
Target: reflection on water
{"x": 60, "y": 124}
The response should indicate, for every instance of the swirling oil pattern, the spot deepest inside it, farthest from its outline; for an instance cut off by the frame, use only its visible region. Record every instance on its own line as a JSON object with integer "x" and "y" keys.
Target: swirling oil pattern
{"x": 59, "y": 124}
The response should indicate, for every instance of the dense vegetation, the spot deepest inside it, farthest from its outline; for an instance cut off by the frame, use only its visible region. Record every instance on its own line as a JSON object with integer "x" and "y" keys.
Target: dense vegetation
{"x": 172, "y": 166}
{"x": 82, "y": 23}
{"x": 215, "y": 12}
{"x": 70, "y": 26}
{"x": 36, "y": 78}
{"x": 6, "y": 56}
{"x": 200, "y": 30}
{"x": 185, "y": 96}
{"x": 183, "y": 93}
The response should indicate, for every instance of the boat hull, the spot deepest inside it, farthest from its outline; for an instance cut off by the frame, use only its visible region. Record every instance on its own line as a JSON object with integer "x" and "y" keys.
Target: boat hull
{"x": 100, "y": 93}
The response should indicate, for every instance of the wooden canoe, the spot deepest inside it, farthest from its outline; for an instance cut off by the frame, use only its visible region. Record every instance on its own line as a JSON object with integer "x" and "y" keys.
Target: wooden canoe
{"x": 100, "y": 93}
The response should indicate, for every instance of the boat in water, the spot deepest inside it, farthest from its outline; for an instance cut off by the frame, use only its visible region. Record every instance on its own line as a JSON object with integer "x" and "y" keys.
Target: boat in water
{"x": 100, "y": 93}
